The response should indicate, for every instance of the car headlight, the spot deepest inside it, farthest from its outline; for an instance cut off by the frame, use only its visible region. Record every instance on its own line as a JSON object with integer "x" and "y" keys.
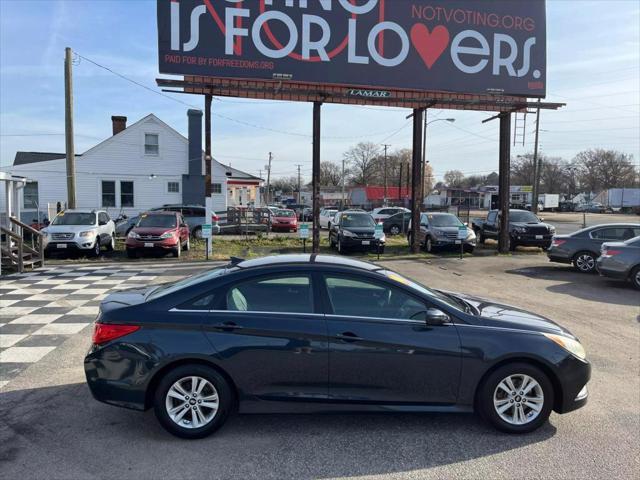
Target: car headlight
{"x": 572, "y": 346}
{"x": 89, "y": 233}
{"x": 471, "y": 235}
{"x": 167, "y": 235}
{"x": 133, "y": 234}
{"x": 347, "y": 233}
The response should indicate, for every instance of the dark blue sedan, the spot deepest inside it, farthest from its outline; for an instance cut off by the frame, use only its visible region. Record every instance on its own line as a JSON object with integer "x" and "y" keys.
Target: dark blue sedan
{"x": 319, "y": 333}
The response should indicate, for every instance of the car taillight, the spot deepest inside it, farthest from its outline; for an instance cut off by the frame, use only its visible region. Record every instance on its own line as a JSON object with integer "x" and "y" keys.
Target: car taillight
{"x": 215, "y": 218}
{"x": 105, "y": 332}
{"x": 557, "y": 242}
{"x": 610, "y": 253}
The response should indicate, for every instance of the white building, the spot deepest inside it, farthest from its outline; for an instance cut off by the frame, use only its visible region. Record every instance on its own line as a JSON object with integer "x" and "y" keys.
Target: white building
{"x": 139, "y": 167}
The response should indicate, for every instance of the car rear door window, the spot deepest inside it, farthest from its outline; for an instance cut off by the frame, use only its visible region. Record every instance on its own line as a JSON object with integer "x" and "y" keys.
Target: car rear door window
{"x": 617, "y": 233}
{"x": 363, "y": 298}
{"x": 276, "y": 294}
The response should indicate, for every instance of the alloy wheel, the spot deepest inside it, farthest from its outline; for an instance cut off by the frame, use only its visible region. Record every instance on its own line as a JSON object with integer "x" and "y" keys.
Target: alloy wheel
{"x": 395, "y": 230}
{"x": 518, "y": 399}
{"x": 585, "y": 262}
{"x": 192, "y": 402}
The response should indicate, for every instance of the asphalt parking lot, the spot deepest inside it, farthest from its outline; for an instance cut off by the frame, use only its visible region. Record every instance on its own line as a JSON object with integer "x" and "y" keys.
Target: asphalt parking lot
{"x": 50, "y": 427}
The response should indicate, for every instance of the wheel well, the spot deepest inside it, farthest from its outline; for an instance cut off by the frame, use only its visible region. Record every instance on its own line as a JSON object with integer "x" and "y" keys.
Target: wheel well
{"x": 557, "y": 387}
{"x": 153, "y": 383}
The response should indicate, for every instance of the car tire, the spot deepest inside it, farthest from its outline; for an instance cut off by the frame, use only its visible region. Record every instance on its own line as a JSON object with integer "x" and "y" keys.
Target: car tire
{"x": 111, "y": 246}
{"x": 512, "y": 245}
{"x": 394, "y": 230}
{"x": 635, "y": 277}
{"x": 480, "y": 236}
{"x": 213, "y": 385}
{"x": 428, "y": 244}
{"x": 468, "y": 249}
{"x": 532, "y": 413}
{"x": 95, "y": 251}
{"x": 380, "y": 250}
{"x": 197, "y": 233}
{"x": 187, "y": 244}
{"x": 341, "y": 249}
{"x": 177, "y": 251}
{"x": 585, "y": 262}
{"x": 132, "y": 253}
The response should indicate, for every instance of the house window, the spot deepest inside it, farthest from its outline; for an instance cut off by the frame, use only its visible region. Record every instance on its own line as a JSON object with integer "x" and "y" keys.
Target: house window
{"x": 31, "y": 195}
{"x": 173, "y": 187}
{"x": 216, "y": 188}
{"x": 126, "y": 194}
{"x": 108, "y": 194}
{"x": 151, "y": 145}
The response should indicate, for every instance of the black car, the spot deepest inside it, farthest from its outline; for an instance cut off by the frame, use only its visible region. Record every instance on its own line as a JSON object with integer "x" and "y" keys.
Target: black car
{"x": 354, "y": 229}
{"x": 525, "y": 229}
{"x": 582, "y": 248}
{"x": 317, "y": 333}
{"x": 397, "y": 224}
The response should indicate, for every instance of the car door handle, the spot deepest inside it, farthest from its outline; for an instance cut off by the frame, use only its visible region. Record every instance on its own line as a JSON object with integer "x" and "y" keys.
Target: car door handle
{"x": 227, "y": 326}
{"x": 348, "y": 337}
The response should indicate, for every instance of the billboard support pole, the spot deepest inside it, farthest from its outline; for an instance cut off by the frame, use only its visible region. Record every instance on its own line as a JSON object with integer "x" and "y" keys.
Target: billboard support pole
{"x": 505, "y": 184}
{"x": 208, "y": 201}
{"x": 416, "y": 175}
{"x": 315, "y": 176}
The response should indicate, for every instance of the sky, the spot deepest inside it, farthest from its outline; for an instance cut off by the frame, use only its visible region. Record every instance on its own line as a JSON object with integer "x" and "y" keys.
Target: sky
{"x": 593, "y": 57}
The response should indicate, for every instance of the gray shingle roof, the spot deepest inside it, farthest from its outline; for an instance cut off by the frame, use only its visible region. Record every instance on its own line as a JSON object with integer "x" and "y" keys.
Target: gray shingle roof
{"x": 22, "y": 158}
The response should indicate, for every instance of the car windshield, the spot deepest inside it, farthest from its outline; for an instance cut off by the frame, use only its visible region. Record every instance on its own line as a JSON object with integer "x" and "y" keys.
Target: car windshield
{"x": 167, "y": 288}
{"x": 74, "y": 218}
{"x": 285, "y": 213}
{"x": 444, "y": 221}
{"x": 160, "y": 221}
{"x": 450, "y": 300}
{"x": 357, "y": 220}
{"x": 523, "y": 217}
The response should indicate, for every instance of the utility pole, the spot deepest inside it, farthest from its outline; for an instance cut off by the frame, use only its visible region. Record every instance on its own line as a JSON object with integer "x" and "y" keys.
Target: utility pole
{"x": 400, "y": 188}
{"x": 268, "y": 195}
{"x": 342, "y": 201}
{"x": 385, "y": 171}
{"x": 424, "y": 155}
{"x": 68, "y": 129}
{"x": 298, "y": 199}
{"x": 259, "y": 194}
{"x": 536, "y": 166}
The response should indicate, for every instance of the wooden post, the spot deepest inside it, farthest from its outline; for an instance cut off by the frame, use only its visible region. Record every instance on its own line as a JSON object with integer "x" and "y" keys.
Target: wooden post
{"x": 68, "y": 129}
{"x": 416, "y": 176}
{"x": 207, "y": 145}
{"x": 505, "y": 183}
{"x": 315, "y": 176}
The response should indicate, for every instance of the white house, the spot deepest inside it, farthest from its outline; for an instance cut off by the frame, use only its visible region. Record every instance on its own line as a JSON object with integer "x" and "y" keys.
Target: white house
{"x": 139, "y": 167}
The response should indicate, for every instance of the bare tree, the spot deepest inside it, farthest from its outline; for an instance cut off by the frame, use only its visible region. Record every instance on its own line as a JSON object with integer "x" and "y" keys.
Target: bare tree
{"x": 363, "y": 162}
{"x": 601, "y": 169}
{"x": 454, "y": 178}
{"x": 330, "y": 174}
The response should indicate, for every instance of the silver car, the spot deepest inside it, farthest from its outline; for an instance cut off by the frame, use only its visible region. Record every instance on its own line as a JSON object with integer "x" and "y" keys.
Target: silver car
{"x": 621, "y": 261}
{"x": 85, "y": 231}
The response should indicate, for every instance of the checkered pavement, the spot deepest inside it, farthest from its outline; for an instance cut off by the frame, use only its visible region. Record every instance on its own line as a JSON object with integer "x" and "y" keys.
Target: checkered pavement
{"x": 39, "y": 310}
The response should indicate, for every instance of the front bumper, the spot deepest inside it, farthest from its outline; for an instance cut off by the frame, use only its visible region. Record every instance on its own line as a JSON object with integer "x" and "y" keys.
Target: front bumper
{"x": 164, "y": 244}
{"x": 284, "y": 226}
{"x": 573, "y": 375}
{"x": 528, "y": 240}
{"x": 80, "y": 244}
{"x": 453, "y": 242}
{"x": 364, "y": 243}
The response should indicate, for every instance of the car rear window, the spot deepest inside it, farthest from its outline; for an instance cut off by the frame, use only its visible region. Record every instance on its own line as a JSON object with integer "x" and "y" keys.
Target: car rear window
{"x": 169, "y": 288}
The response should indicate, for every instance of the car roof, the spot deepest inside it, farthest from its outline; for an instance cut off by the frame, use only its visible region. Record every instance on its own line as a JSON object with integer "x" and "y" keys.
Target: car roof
{"x": 298, "y": 259}
{"x": 612, "y": 225}
{"x": 437, "y": 213}
{"x": 81, "y": 210}
{"x": 160, "y": 212}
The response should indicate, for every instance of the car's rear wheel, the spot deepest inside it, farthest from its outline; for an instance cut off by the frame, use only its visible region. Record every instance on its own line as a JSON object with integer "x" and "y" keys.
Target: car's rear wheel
{"x": 394, "y": 230}
{"x": 584, "y": 262}
{"x": 635, "y": 277}
{"x": 192, "y": 401}
{"x": 516, "y": 398}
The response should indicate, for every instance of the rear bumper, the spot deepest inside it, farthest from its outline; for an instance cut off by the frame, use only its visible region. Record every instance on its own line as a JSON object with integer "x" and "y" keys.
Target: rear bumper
{"x": 606, "y": 271}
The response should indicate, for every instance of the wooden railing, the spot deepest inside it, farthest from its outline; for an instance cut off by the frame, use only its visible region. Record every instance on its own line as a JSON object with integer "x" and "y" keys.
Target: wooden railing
{"x": 18, "y": 252}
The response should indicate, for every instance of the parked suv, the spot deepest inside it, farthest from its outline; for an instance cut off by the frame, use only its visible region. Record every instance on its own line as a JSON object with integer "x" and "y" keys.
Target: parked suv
{"x": 80, "y": 231}
{"x": 194, "y": 216}
{"x": 440, "y": 230}
{"x": 582, "y": 248}
{"x": 353, "y": 229}
{"x": 158, "y": 232}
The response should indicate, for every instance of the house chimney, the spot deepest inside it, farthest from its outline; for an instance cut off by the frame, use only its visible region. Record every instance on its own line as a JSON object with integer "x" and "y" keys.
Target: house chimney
{"x": 118, "y": 123}
{"x": 195, "y": 141}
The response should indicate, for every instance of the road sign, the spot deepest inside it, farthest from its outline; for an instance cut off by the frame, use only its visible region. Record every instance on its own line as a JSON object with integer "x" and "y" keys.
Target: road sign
{"x": 462, "y": 232}
{"x": 378, "y": 233}
{"x": 206, "y": 230}
{"x": 303, "y": 232}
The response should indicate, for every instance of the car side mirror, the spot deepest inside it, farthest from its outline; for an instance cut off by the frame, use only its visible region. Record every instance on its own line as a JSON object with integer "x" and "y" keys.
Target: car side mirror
{"x": 541, "y": 219}
{"x": 436, "y": 317}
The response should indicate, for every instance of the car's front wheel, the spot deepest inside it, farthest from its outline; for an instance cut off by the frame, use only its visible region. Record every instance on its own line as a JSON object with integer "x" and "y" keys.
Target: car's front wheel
{"x": 95, "y": 251}
{"x": 516, "y": 398}
{"x": 192, "y": 401}
{"x": 111, "y": 246}
{"x": 635, "y": 277}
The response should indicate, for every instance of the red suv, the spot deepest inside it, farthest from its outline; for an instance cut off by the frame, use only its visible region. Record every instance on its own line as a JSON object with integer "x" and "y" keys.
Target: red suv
{"x": 158, "y": 232}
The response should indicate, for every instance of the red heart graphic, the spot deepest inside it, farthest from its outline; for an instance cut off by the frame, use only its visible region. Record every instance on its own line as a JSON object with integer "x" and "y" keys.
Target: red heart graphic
{"x": 429, "y": 45}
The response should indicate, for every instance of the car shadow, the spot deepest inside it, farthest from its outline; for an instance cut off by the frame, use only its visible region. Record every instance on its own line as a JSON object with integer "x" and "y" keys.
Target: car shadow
{"x": 581, "y": 285}
{"x": 62, "y": 431}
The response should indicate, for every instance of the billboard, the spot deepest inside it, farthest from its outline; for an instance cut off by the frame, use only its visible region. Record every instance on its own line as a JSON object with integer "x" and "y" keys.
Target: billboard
{"x": 460, "y": 46}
